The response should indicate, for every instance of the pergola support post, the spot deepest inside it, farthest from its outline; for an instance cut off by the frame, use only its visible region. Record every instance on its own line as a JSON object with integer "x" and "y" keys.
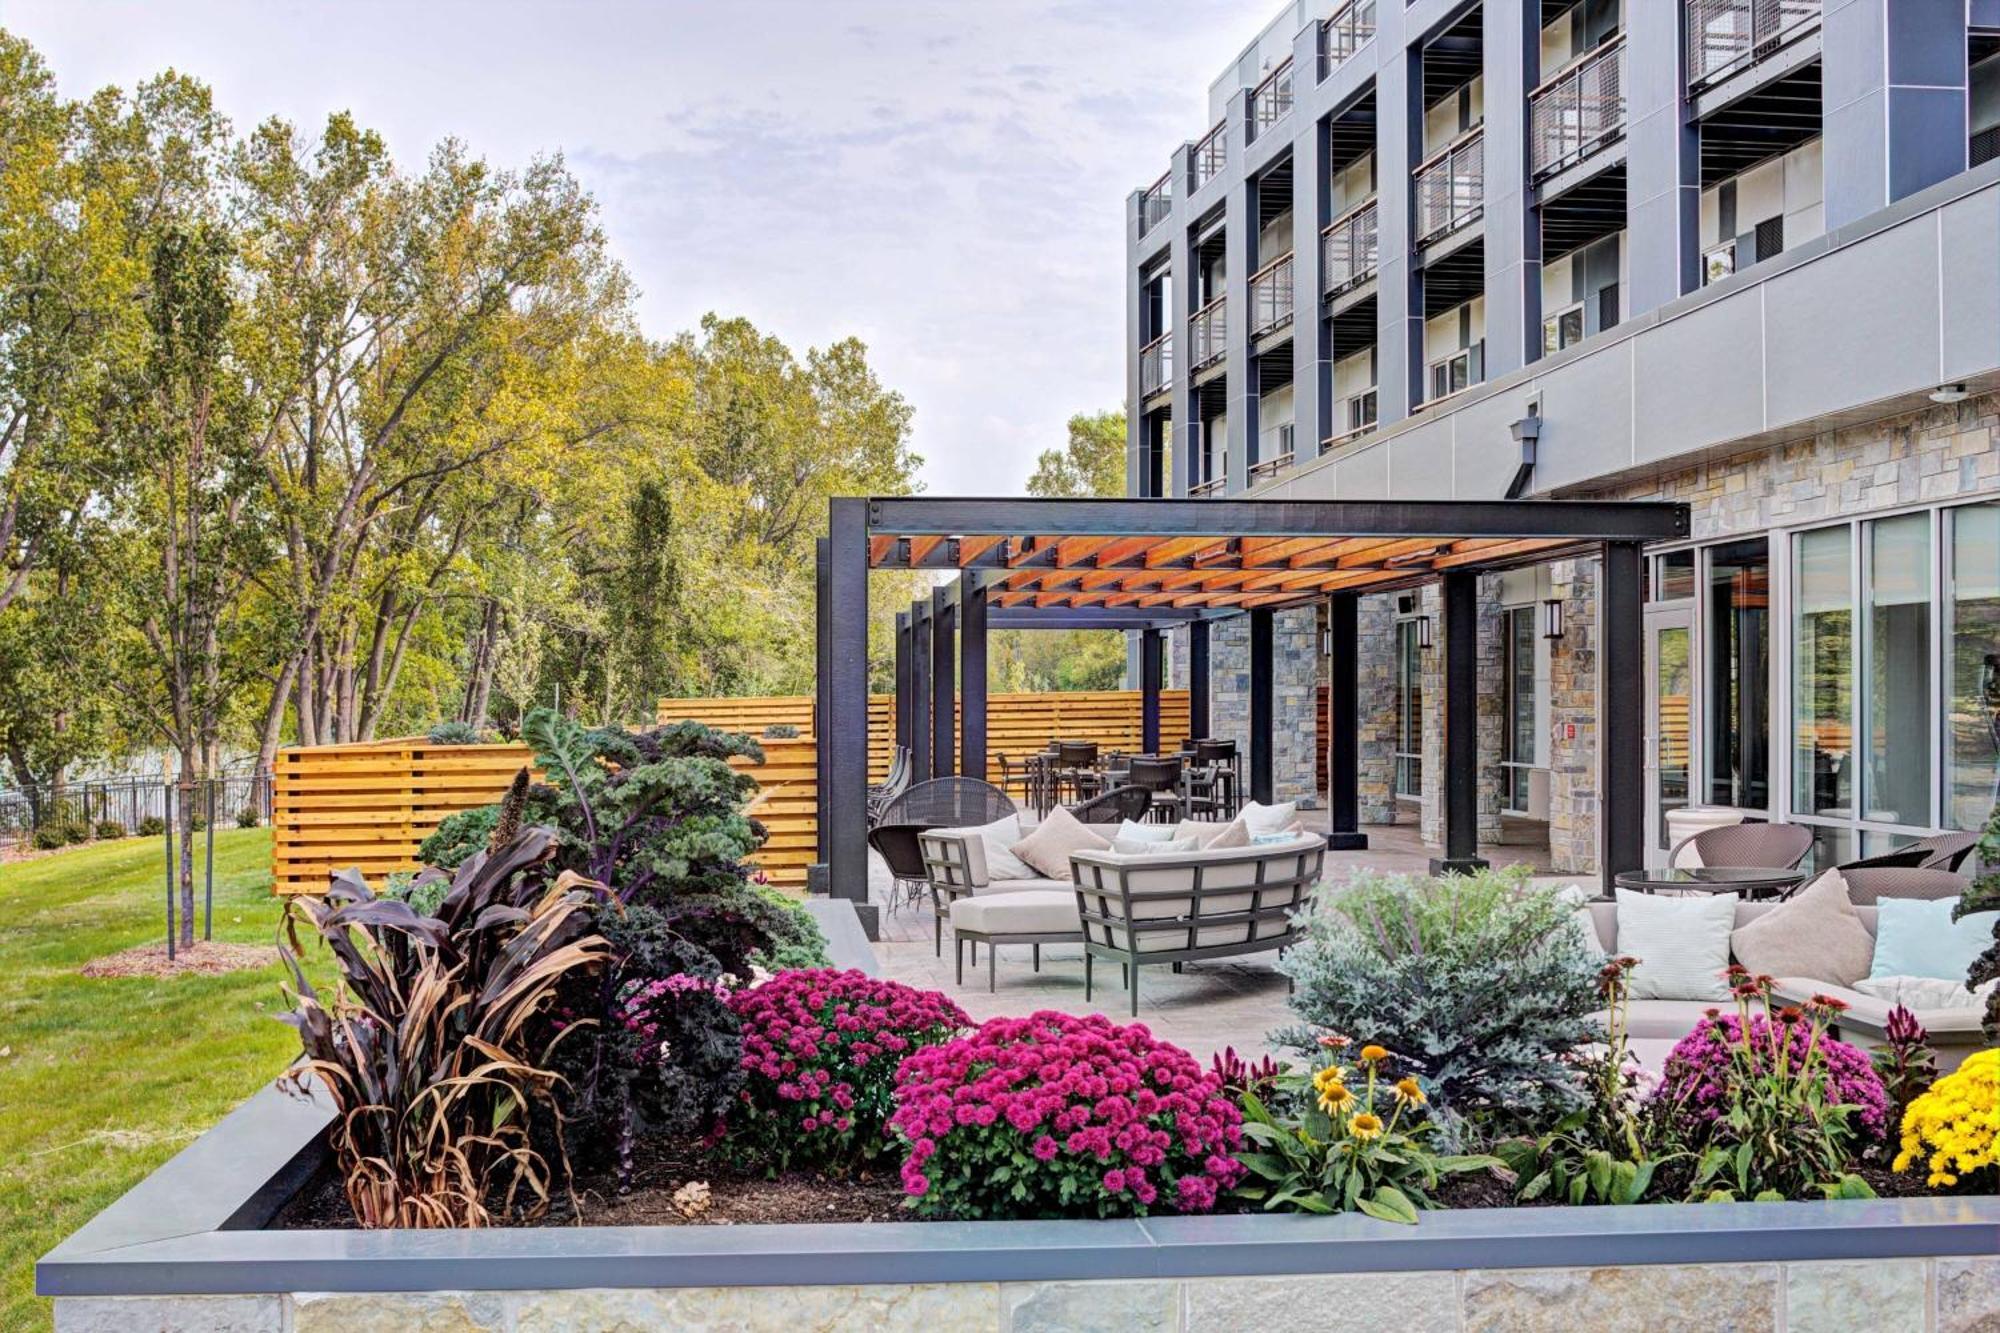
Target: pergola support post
{"x": 944, "y": 686}
{"x": 920, "y": 690}
{"x": 822, "y": 678}
{"x": 1343, "y": 759}
{"x": 1262, "y": 630}
{"x": 972, "y": 676}
{"x": 1461, "y": 726}
{"x": 1197, "y": 632}
{"x": 843, "y": 738}
{"x": 1621, "y": 698}
{"x": 902, "y": 701}
{"x": 1152, "y": 660}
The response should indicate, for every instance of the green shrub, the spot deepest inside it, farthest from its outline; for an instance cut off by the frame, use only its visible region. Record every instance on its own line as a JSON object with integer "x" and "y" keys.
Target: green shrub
{"x": 1479, "y": 981}
{"x": 152, "y": 826}
{"x": 248, "y": 817}
{"x": 453, "y": 733}
{"x": 48, "y": 837}
{"x": 109, "y": 830}
{"x": 781, "y": 731}
{"x": 458, "y": 836}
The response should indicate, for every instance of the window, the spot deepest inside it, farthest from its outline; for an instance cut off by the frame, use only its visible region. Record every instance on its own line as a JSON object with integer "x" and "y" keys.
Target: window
{"x": 1673, "y": 576}
{"x": 1718, "y": 263}
{"x": 1409, "y": 710}
{"x": 1972, "y": 649}
{"x": 1822, "y": 673}
{"x": 1562, "y": 329}
{"x": 1736, "y": 681}
{"x": 1361, "y": 410}
{"x": 1452, "y": 374}
{"x": 1518, "y": 748}
{"x": 1896, "y": 770}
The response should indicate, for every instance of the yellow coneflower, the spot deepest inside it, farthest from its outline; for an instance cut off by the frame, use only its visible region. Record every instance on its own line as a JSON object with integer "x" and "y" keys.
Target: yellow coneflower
{"x": 1367, "y": 1125}
{"x": 1330, "y": 1074}
{"x": 1373, "y": 1054}
{"x": 1334, "y": 1097}
{"x": 1409, "y": 1093}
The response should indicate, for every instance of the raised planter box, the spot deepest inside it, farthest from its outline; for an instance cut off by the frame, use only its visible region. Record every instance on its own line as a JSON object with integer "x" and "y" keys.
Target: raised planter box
{"x": 185, "y": 1250}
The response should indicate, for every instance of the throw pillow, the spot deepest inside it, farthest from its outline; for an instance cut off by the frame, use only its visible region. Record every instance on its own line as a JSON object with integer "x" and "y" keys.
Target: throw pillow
{"x": 1916, "y": 937}
{"x": 1580, "y": 923}
{"x": 1813, "y": 934}
{"x": 1048, "y": 847}
{"x": 1682, "y": 944}
{"x": 1153, "y": 847}
{"x": 997, "y": 839}
{"x": 1268, "y": 818}
{"x": 1136, "y": 832}
{"x": 1234, "y": 834}
{"x": 1921, "y": 993}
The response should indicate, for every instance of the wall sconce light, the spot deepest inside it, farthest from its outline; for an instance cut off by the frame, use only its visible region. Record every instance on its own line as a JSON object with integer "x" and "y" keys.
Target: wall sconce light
{"x": 1424, "y": 633}
{"x": 1326, "y": 643}
{"x": 1552, "y": 618}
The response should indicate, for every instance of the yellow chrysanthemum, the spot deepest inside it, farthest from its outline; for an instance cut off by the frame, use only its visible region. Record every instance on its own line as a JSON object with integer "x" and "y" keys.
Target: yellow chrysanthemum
{"x": 1409, "y": 1092}
{"x": 1365, "y": 1126}
{"x": 1955, "y": 1126}
{"x": 1374, "y": 1055}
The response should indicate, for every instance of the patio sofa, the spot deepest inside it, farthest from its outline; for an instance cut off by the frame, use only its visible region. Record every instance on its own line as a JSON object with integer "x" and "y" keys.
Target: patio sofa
{"x": 1657, "y": 1024}
{"x": 1191, "y": 906}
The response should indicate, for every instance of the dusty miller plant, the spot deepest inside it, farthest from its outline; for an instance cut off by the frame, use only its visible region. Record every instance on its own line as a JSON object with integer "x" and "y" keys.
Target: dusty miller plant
{"x": 1482, "y": 982}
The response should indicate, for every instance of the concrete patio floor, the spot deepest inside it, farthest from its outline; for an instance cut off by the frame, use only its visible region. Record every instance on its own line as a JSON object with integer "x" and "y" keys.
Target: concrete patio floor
{"x": 1205, "y": 1008}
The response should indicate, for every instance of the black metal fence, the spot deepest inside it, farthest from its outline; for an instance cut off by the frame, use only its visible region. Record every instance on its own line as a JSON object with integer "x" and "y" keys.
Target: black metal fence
{"x": 129, "y": 803}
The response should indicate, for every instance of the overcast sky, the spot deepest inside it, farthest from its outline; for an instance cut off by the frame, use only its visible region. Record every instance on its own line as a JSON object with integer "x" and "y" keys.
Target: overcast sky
{"x": 942, "y": 178}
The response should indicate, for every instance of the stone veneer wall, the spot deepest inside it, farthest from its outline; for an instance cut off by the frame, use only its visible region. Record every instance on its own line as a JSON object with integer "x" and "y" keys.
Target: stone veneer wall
{"x": 1944, "y": 1295}
{"x": 1375, "y": 684}
{"x": 1573, "y": 720}
{"x": 1294, "y": 675}
{"x": 1491, "y": 714}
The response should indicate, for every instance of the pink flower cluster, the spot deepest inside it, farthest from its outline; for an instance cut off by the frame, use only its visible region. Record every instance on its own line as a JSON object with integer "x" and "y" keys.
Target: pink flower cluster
{"x": 1695, "y": 1080}
{"x": 1112, "y": 1119}
{"x": 820, "y": 1050}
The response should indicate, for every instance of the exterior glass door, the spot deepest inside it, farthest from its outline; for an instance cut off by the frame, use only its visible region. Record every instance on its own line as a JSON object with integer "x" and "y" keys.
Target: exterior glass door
{"x": 1670, "y": 722}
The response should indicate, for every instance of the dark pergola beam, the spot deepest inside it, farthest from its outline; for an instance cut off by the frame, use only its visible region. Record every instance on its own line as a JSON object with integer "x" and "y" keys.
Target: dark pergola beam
{"x": 1091, "y": 617}
{"x": 1621, "y": 712}
{"x": 972, "y": 623}
{"x": 1570, "y": 520}
{"x": 1460, "y": 779}
{"x": 1343, "y": 759}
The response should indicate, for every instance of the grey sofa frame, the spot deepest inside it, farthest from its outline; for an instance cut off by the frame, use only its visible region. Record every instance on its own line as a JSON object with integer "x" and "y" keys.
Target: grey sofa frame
{"x": 1111, "y": 908}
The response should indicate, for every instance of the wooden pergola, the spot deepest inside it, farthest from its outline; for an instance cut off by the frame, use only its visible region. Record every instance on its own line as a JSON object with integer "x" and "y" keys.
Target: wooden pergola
{"x": 1147, "y": 565}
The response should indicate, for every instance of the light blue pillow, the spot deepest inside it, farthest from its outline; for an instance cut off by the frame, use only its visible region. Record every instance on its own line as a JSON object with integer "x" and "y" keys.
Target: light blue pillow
{"x": 1916, "y": 937}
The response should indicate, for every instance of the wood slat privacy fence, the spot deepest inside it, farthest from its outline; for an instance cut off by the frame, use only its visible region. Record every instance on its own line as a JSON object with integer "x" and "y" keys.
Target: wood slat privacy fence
{"x": 371, "y": 805}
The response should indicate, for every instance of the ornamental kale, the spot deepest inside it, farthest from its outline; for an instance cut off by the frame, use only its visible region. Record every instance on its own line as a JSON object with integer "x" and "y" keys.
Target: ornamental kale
{"x": 1060, "y": 1116}
{"x": 820, "y": 1050}
{"x": 1481, "y": 982}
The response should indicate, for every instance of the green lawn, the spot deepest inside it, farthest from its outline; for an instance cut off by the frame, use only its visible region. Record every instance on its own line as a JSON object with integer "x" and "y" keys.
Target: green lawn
{"x": 104, "y": 1079}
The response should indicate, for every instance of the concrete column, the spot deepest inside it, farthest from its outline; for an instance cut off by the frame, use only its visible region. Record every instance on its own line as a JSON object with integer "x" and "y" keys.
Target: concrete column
{"x": 1399, "y": 301}
{"x": 1135, "y": 420}
{"x": 1511, "y": 35}
{"x": 1182, "y": 304}
{"x": 1893, "y": 99}
{"x": 1663, "y": 162}
{"x": 1239, "y": 261}
{"x": 1312, "y": 365}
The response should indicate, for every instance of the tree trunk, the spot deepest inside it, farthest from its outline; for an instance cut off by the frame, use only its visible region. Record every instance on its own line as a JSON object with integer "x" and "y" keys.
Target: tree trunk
{"x": 185, "y": 819}
{"x": 272, "y": 733}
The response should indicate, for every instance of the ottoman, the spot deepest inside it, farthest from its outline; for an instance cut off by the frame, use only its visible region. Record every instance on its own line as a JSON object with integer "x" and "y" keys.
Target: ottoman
{"x": 1033, "y": 916}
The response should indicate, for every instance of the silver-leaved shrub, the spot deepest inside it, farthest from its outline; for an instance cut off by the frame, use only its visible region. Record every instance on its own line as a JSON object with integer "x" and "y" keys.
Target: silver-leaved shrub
{"x": 1484, "y": 983}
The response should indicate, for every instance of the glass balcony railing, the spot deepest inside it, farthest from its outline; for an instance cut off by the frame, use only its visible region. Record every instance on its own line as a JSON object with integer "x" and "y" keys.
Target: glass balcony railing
{"x": 1724, "y": 36}
{"x": 1157, "y": 204}
{"x": 1451, "y": 187}
{"x": 1211, "y": 155}
{"x": 1271, "y": 99}
{"x": 1577, "y": 112}
{"x": 1353, "y": 417}
{"x": 1156, "y": 364}
{"x": 1274, "y": 452}
{"x": 1271, "y": 297}
{"x": 1349, "y": 249}
{"x": 1350, "y": 28}
{"x": 1208, "y": 334}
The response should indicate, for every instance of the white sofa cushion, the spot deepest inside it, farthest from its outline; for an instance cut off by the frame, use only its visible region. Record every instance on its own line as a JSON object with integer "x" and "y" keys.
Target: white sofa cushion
{"x": 1035, "y": 912}
{"x": 1682, "y": 944}
{"x": 1154, "y": 846}
{"x": 1131, "y": 830}
{"x": 991, "y": 846}
{"x": 1268, "y": 818}
{"x": 1814, "y": 933}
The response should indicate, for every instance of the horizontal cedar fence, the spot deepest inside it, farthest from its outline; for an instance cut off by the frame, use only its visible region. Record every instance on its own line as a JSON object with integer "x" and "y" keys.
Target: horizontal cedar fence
{"x": 369, "y": 806}
{"x": 1016, "y": 724}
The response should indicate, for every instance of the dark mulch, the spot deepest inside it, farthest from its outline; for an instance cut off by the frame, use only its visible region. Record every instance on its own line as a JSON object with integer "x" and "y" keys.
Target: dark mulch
{"x": 665, "y": 1171}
